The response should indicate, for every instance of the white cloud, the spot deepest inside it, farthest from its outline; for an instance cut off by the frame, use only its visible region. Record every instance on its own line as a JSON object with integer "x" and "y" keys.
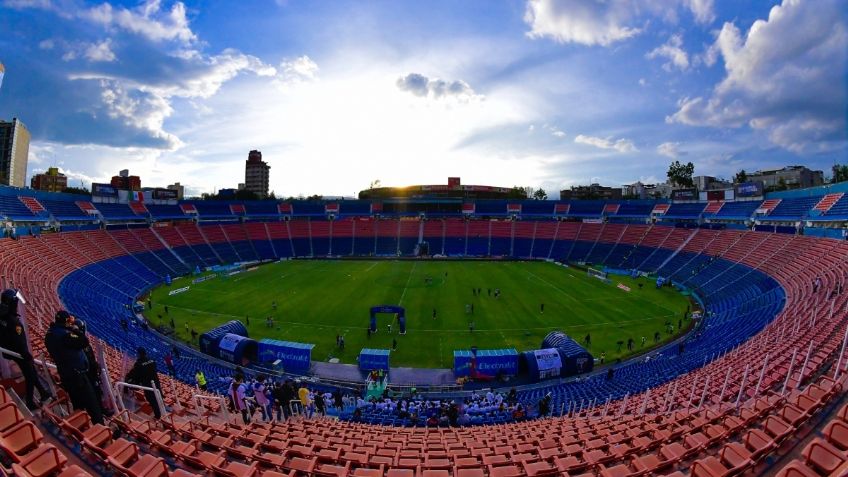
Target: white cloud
{"x": 673, "y": 51}
{"x": 620, "y": 145}
{"x": 435, "y": 88}
{"x": 670, "y": 149}
{"x": 100, "y": 51}
{"x": 148, "y": 20}
{"x": 784, "y": 77}
{"x": 298, "y": 70}
{"x": 703, "y": 10}
{"x": 578, "y": 21}
{"x": 604, "y": 22}
{"x": 47, "y": 44}
{"x": 643, "y": 82}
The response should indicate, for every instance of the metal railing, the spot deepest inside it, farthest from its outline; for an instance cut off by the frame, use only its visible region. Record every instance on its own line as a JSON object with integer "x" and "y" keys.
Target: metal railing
{"x": 222, "y": 405}
{"x": 120, "y": 386}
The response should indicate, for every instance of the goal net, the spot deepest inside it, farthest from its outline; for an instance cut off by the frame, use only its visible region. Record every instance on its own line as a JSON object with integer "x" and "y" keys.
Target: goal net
{"x": 599, "y": 274}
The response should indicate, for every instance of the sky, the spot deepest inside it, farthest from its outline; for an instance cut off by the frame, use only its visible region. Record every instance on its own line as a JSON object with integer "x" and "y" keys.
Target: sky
{"x": 338, "y": 94}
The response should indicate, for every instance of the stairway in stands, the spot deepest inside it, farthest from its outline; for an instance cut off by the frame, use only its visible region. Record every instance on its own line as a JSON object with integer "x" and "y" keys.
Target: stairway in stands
{"x": 827, "y": 202}
{"x": 33, "y": 205}
{"x": 86, "y": 207}
{"x": 138, "y": 208}
{"x": 713, "y": 207}
{"x": 767, "y": 206}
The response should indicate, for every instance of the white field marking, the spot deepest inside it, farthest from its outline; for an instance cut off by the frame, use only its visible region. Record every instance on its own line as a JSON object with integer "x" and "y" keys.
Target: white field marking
{"x": 553, "y": 286}
{"x": 407, "y": 283}
{"x": 372, "y": 266}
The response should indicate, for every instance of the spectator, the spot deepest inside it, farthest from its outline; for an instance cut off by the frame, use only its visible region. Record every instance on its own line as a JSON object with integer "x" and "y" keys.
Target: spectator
{"x": 143, "y": 373}
{"x": 238, "y": 394}
{"x": 261, "y": 397}
{"x": 169, "y": 363}
{"x": 200, "y": 379}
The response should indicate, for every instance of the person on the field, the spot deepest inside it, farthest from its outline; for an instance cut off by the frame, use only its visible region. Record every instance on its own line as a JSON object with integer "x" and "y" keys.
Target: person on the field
{"x": 434, "y": 313}
{"x": 542, "y": 308}
{"x": 394, "y": 344}
{"x": 588, "y": 339}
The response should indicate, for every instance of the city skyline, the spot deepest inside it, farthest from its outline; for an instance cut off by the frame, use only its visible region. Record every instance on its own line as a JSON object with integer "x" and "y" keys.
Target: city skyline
{"x": 520, "y": 93}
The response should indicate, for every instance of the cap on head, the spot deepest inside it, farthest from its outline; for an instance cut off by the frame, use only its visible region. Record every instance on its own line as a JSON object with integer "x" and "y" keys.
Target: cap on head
{"x": 8, "y": 295}
{"x": 61, "y": 317}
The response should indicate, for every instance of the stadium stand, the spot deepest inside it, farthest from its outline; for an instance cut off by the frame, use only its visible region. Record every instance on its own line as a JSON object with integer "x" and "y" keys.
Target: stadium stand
{"x": 753, "y": 381}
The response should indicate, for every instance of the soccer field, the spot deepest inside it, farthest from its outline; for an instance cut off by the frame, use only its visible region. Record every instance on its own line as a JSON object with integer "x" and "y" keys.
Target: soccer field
{"x": 319, "y": 299}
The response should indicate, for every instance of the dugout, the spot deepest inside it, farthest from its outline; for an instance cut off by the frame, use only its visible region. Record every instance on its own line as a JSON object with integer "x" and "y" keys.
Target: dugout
{"x": 575, "y": 359}
{"x": 208, "y": 342}
{"x": 542, "y": 363}
{"x": 237, "y": 349}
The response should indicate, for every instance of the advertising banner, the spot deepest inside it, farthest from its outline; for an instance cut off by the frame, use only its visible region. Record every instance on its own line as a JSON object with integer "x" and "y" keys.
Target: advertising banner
{"x": 548, "y": 359}
{"x": 492, "y": 362}
{"x": 373, "y": 359}
{"x": 103, "y": 190}
{"x": 296, "y": 357}
{"x": 749, "y": 189}
{"x": 684, "y": 194}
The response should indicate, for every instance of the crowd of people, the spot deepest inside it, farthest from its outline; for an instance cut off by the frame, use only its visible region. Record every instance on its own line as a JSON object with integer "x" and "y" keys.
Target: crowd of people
{"x": 278, "y": 400}
{"x": 478, "y": 408}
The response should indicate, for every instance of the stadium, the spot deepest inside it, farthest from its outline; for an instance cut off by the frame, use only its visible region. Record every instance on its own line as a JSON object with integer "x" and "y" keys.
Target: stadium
{"x": 761, "y": 363}
{"x": 585, "y": 305}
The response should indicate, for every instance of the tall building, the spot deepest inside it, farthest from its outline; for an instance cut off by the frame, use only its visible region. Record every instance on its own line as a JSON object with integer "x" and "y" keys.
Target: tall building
{"x": 256, "y": 174}
{"x": 179, "y": 188}
{"x": 790, "y": 177}
{"x": 50, "y": 181}
{"x": 124, "y": 181}
{"x": 14, "y": 152}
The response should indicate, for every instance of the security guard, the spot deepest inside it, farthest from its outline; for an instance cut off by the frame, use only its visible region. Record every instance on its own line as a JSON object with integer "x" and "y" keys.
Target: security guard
{"x": 13, "y": 338}
{"x": 143, "y": 373}
{"x": 66, "y": 346}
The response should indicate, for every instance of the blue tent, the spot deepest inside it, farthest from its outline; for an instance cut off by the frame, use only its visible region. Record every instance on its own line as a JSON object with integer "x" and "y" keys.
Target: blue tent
{"x": 209, "y": 340}
{"x": 296, "y": 357}
{"x": 372, "y": 359}
{"x": 575, "y": 358}
{"x": 237, "y": 349}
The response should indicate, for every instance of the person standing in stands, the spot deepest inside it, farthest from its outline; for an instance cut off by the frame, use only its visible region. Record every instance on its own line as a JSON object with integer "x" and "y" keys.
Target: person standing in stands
{"x": 13, "y": 338}
{"x": 261, "y": 396}
{"x": 238, "y": 392}
{"x": 200, "y": 379}
{"x": 143, "y": 373}
{"x": 169, "y": 363}
{"x": 66, "y": 347}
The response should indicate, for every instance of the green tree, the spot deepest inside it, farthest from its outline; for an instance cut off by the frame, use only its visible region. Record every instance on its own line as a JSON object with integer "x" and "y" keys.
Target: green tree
{"x": 681, "y": 174}
{"x": 76, "y": 190}
{"x": 741, "y": 176}
{"x": 272, "y": 196}
{"x": 840, "y": 172}
{"x": 518, "y": 193}
{"x": 540, "y": 194}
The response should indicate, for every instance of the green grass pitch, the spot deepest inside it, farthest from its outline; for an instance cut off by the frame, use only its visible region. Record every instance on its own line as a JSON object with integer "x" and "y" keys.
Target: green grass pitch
{"x": 316, "y": 300}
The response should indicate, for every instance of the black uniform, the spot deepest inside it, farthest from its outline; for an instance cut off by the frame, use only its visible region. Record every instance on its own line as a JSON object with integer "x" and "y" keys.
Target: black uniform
{"x": 67, "y": 348}
{"x": 13, "y": 338}
{"x": 143, "y": 373}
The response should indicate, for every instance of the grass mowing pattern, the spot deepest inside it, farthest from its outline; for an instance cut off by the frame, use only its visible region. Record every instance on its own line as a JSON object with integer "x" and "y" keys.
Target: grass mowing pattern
{"x": 316, "y": 300}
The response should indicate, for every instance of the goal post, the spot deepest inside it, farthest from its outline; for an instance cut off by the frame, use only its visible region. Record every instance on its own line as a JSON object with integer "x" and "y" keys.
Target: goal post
{"x": 594, "y": 273}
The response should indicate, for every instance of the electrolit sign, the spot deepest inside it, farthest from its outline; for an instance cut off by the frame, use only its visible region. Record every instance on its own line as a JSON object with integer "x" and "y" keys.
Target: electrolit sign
{"x": 296, "y": 357}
